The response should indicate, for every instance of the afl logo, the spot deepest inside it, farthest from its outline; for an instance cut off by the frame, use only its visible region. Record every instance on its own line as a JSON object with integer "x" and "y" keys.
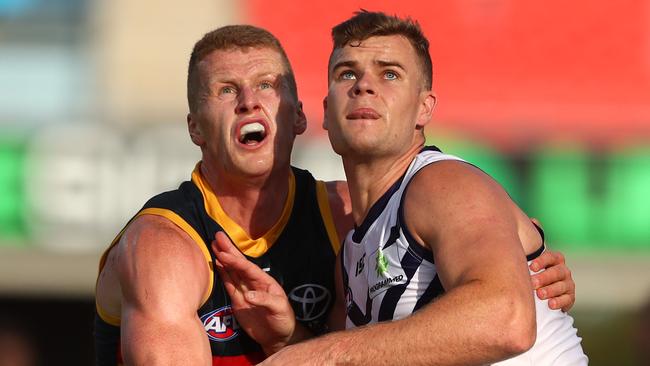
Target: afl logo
{"x": 220, "y": 324}
{"x": 309, "y": 301}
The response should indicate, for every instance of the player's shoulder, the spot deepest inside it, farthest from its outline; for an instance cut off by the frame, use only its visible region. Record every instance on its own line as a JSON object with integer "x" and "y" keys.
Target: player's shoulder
{"x": 184, "y": 198}
{"x": 149, "y": 237}
{"x": 448, "y": 176}
{"x": 445, "y": 187}
{"x": 160, "y": 267}
{"x": 152, "y": 225}
{"x": 440, "y": 174}
{"x": 451, "y": 195}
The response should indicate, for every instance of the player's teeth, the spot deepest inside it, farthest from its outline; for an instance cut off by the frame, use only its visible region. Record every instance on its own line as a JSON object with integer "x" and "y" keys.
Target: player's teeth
{"x": 251, "y": 128}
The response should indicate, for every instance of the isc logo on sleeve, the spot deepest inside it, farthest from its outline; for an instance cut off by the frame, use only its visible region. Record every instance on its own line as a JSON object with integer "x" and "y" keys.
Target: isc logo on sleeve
{"x": 220, "y": 324}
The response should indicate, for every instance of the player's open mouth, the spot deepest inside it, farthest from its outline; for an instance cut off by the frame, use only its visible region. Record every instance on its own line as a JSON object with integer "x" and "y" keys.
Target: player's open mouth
{"x": 251, "y": 133}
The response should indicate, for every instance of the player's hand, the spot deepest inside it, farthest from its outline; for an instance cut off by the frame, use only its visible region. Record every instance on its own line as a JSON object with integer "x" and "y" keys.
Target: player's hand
{"x": 555, "y": 282}
{"x": 258, "y": 301}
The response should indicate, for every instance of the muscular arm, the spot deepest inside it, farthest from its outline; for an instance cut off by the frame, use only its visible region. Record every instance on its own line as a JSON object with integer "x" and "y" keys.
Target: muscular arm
{"x": 477, "y": 245}
{"x": 163, "y": 276}
{"x": 487, "y": 313}
{"x": 555, "y": 283}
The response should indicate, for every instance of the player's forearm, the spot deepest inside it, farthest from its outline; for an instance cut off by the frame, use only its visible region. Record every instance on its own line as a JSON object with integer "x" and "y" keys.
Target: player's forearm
{"x": 335, "y": 322}
{"x": 456, "y": 329}
{"x": 299, "y": 334}
{"x": 152, "y": 342}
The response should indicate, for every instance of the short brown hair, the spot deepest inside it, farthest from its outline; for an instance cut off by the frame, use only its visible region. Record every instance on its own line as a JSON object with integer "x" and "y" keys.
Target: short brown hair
{"x": 365, "y": 24}
{"x": 231, "y": 37}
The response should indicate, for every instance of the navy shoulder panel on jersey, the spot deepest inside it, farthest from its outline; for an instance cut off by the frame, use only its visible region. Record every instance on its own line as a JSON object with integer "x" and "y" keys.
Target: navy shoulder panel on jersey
{"x": 186, "y": 201}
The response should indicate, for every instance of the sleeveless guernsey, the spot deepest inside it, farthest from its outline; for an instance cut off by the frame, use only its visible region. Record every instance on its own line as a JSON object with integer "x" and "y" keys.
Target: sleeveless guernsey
{"x": 299, "y": 252}
{"x": 387, "y": 275}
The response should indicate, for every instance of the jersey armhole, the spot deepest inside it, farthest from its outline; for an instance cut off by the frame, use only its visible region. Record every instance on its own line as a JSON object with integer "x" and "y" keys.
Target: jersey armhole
{"x": 107, "y": 318}
{"x": 103, "y": 314}
{"x": 183, "y": 225}
{"x": 326, "y": 214}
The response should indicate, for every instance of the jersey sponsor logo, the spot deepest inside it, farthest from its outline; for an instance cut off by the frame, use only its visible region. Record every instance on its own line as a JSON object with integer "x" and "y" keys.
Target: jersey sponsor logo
{"x": 220, "y": 324}
{"x": 381, "y": 266}
{"x": 309, "y": 301}
{"x": 387, "y": 272}
{"x": 387, "y": 282}
{"x": 360, "y": 265}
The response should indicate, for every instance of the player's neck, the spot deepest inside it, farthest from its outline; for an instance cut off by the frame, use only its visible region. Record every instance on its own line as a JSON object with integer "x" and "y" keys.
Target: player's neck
{"x": 369, "y": 178}
{"x": 254, "y": 203}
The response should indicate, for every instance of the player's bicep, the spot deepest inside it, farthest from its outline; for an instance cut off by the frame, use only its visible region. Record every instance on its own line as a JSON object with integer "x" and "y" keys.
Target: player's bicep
{"x": 163, "y": 276}
{"x": 161, "y": 268}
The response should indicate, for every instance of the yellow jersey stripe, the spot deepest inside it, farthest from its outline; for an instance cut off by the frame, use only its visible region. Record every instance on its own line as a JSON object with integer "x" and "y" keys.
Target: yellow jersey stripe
{"x": 107, "y": 318}
{"x": 251, "y": 247}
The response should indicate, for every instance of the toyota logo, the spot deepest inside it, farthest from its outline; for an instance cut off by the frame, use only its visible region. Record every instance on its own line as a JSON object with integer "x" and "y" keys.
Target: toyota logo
{"x": 310, "y": 301}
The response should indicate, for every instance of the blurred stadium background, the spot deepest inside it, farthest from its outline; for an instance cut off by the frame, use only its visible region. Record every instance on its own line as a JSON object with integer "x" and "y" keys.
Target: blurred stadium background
{"x": 551, "y": 98}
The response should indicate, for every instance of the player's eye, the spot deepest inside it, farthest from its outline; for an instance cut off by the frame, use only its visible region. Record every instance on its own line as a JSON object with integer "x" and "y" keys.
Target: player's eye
{"x": 266, "y": 85}
{"x": 390, "y": 75}
{"x": 347, "y": 75}
{"x": 228, "y": 90}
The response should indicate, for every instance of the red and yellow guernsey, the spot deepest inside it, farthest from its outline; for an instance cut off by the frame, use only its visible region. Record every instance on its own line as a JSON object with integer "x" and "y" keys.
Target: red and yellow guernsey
{"x": 299, "y": 251}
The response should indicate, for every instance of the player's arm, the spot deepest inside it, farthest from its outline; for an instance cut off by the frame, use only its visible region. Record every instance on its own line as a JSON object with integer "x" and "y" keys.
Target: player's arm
{"x": 554, "y": 282}
{"x": 480, "y": 262}
{"x": 487, "y": 313}
{"x": 164, "y": 276}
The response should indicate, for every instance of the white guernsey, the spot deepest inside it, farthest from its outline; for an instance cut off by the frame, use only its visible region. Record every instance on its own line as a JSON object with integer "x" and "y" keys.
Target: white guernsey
{"x": 387, "y": 276}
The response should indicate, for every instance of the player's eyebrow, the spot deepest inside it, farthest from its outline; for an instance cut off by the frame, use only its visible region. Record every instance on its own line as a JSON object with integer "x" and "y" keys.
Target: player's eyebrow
{"x": 382, "y": 63}
{"x": 340, "y": 64}
{"x": 388, "y": 63}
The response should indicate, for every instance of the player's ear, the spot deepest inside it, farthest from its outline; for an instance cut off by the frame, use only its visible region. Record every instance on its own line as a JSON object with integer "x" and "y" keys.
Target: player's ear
{"x": 194, "y": 130}
{"x": 301, "y": 121}
{"x": 427, "y": 105}
{"x": 325, "y": 113}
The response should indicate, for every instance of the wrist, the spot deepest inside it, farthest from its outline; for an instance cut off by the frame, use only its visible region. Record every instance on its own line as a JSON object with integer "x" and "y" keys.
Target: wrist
{"x": 278, "y": 344}
{"x": 294, "y": 336}
{"x": 273, "y": 348}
